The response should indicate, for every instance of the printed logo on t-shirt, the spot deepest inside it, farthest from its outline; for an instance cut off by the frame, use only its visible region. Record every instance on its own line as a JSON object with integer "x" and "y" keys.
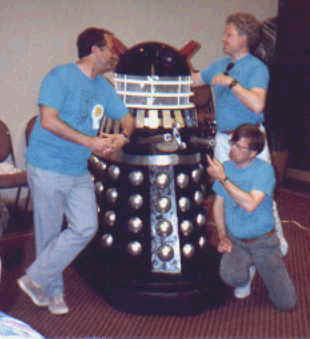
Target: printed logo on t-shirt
{"x": 97, "y": 114}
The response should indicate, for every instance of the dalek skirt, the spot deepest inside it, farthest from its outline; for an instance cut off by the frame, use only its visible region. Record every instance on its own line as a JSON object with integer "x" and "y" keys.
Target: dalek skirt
{"x": 152, "y": 253}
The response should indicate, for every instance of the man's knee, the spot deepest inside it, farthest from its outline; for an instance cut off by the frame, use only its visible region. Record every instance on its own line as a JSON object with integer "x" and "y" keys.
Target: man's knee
{"x": 86, "y": 232}
{"x": 233, "y": 277}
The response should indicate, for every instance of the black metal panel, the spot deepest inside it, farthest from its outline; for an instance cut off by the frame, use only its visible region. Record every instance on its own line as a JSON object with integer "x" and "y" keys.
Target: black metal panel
{"x": 153, "y": 58}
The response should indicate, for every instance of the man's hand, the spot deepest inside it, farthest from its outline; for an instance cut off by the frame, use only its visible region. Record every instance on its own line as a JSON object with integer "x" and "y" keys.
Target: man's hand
{"x": 117, "y": 140}
{"x": 102, "y": 146}
{"x": 215, "y": 169}
{"x": 224, "y": 245}
{"x": 221, "y": 79}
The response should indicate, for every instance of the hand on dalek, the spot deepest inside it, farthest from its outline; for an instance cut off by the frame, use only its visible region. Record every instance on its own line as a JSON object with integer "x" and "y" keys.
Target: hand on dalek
{"x": 103, "y": 145}
{"x": 117, "y": 140}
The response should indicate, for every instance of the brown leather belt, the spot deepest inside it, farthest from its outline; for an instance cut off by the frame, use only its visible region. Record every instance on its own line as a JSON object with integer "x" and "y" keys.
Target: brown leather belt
{"x": 228, "y": 132}
{"x": 269, "y": 234}
{"x": 232, "y": 130}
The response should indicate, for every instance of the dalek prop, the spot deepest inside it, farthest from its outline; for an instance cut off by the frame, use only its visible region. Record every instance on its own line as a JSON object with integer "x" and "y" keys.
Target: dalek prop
{"x": 151, "y": 253}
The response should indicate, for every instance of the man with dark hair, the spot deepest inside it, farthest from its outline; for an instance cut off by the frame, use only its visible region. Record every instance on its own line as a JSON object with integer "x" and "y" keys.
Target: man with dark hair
{"x": 239, "y": 83}
{"x": 90, "y": 37}
{"x": 244, "y": 221}
{"x": 73, "y": 99}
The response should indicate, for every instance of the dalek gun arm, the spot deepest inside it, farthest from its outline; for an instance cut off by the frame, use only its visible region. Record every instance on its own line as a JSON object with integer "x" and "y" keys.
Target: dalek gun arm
{"x": 177, "y": 136}
{"x": 202, "y": 141}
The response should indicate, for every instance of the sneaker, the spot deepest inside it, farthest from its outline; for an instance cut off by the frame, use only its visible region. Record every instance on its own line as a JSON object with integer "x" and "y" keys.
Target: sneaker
{"x": 245, "y": 290}
{"x": 283, "y": 246}
{"x": 57, "y": 305}
{"x": 33, "y": 290}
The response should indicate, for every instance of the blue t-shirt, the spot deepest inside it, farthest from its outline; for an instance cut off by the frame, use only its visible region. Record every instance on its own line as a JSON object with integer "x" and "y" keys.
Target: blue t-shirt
{"x": 259, "y": 175}
{"x": 250, "y": 72}
{"x": 81, "y": 102}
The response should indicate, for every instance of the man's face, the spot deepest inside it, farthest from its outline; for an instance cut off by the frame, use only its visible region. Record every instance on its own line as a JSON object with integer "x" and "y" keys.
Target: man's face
{"x": 233, "y": 42}
{"x": 240, "y": 152}
{"x": 107, "y": 58}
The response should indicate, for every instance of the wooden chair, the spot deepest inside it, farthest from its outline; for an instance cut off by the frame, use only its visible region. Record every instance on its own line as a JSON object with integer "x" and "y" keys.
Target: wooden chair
{"x": 28, "y": 131}
{"x": 29, "y": 128}
{"x": 19, "y": 227}
{"x": 13, "y": 180}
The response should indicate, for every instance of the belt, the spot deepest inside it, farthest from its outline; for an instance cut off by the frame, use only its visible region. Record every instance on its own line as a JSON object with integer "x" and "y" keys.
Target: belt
{"x": 268, "y": 235}
{"x": 232, "y": 130}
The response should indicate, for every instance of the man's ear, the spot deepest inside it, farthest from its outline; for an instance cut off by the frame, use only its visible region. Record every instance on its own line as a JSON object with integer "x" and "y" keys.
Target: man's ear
{"x": 253, "y": 154}
{"x": 244, "y": 40}
{"x": 94, "y": 49}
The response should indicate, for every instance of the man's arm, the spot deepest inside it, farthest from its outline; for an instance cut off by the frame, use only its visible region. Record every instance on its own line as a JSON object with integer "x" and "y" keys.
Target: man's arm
{"x": 51, "y": 122}
{"x": 247, "y": 200}
{"x": 224, "y": 244}
{"x": 119, "y": 140}
{"x": 254, "y": 98}
{"x": 197, "y": 80}
{"x": 128, "y": 124}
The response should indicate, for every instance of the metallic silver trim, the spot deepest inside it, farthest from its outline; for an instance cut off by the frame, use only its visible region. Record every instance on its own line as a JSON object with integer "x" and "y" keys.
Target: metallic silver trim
{"x": 155, "y": 160}
{"x": 165, "y": 248}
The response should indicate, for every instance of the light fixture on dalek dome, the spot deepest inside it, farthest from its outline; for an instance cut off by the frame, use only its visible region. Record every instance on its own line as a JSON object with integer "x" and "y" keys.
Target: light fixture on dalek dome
{"x": 152, "y": 253}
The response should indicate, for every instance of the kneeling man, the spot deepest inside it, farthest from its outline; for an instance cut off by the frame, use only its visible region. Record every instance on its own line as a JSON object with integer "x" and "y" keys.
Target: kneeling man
{"x": 243, "y": 215}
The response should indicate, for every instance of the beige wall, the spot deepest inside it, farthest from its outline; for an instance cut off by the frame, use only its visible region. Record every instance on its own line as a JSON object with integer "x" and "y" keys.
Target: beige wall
{"x": 36, "y": 35}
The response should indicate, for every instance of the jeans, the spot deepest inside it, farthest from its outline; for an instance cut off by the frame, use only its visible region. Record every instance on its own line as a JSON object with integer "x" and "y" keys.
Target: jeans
{"x": 54, "y": 196}
{"x": 265, "y": 255}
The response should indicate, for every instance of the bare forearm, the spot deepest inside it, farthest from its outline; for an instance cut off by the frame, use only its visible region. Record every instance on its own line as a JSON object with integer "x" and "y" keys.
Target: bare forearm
{"x": 247, "y": 200}
{"x": 254, "y": 100}
{"x": 128, "y": 124}
{"x": 219, "y": 222}
{"x": 61, "y": 129}
{"x": 242, "y": 198}
{"x": 99, "y": 145}
{"x": 219, "y": 216}
{"x": 197, "y": 80}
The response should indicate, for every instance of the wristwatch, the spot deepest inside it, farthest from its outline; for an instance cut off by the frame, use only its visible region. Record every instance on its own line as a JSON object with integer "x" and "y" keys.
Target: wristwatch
{"x": 125, "y": 136}
{"x": 233, "y": 83}
{"x": 224, "y": 180}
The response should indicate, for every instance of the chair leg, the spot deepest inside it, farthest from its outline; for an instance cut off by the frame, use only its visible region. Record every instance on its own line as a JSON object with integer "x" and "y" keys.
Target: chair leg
{"x": 17, "y": 198}
{"x": 27, "y": 200}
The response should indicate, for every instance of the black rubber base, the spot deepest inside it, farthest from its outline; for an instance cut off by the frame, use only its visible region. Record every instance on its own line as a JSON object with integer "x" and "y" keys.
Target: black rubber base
{"x": 192, "y": 292}
{"x": 170, "y": 303}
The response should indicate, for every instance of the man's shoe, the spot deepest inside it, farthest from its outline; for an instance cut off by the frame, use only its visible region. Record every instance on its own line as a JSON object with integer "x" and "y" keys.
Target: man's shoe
{"x": 245, "y": 290}
{"x": 57, "y": 305}
{"x": 33, "y": 290}
{"x": 283, "y": 246}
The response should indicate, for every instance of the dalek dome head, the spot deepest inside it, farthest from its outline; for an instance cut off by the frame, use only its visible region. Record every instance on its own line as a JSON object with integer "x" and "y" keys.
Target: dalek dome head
{"x": 153, "y": 58}
{"x": 153, "y": 75}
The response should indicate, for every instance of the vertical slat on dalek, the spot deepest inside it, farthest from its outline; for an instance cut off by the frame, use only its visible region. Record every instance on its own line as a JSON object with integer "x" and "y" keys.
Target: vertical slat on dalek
{"x": 153, "y": 121}
{"x": 167, "y": 119}
{"x": 140, "y": 118}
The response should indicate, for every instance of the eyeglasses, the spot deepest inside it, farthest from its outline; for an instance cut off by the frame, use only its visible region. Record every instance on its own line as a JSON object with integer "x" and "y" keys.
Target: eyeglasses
{"x": 229, "y": 67}
{"x": 239, "y": 148}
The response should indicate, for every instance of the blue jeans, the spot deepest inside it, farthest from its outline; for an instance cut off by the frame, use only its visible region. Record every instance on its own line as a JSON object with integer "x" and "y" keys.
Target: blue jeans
{"x": 265, "y": 255}
{"x": 54, "y": 196}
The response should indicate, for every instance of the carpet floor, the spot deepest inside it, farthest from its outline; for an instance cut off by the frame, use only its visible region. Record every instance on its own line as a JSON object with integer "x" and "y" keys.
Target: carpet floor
{"x": 255, "y": 317}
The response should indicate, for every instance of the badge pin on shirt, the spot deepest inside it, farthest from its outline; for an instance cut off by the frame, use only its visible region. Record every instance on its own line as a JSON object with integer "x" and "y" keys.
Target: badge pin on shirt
{"x": 97, "y": 114}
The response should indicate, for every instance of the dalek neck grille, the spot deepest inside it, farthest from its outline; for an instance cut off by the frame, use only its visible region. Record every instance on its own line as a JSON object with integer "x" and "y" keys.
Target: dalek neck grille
{"x": 154, "y": 92}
